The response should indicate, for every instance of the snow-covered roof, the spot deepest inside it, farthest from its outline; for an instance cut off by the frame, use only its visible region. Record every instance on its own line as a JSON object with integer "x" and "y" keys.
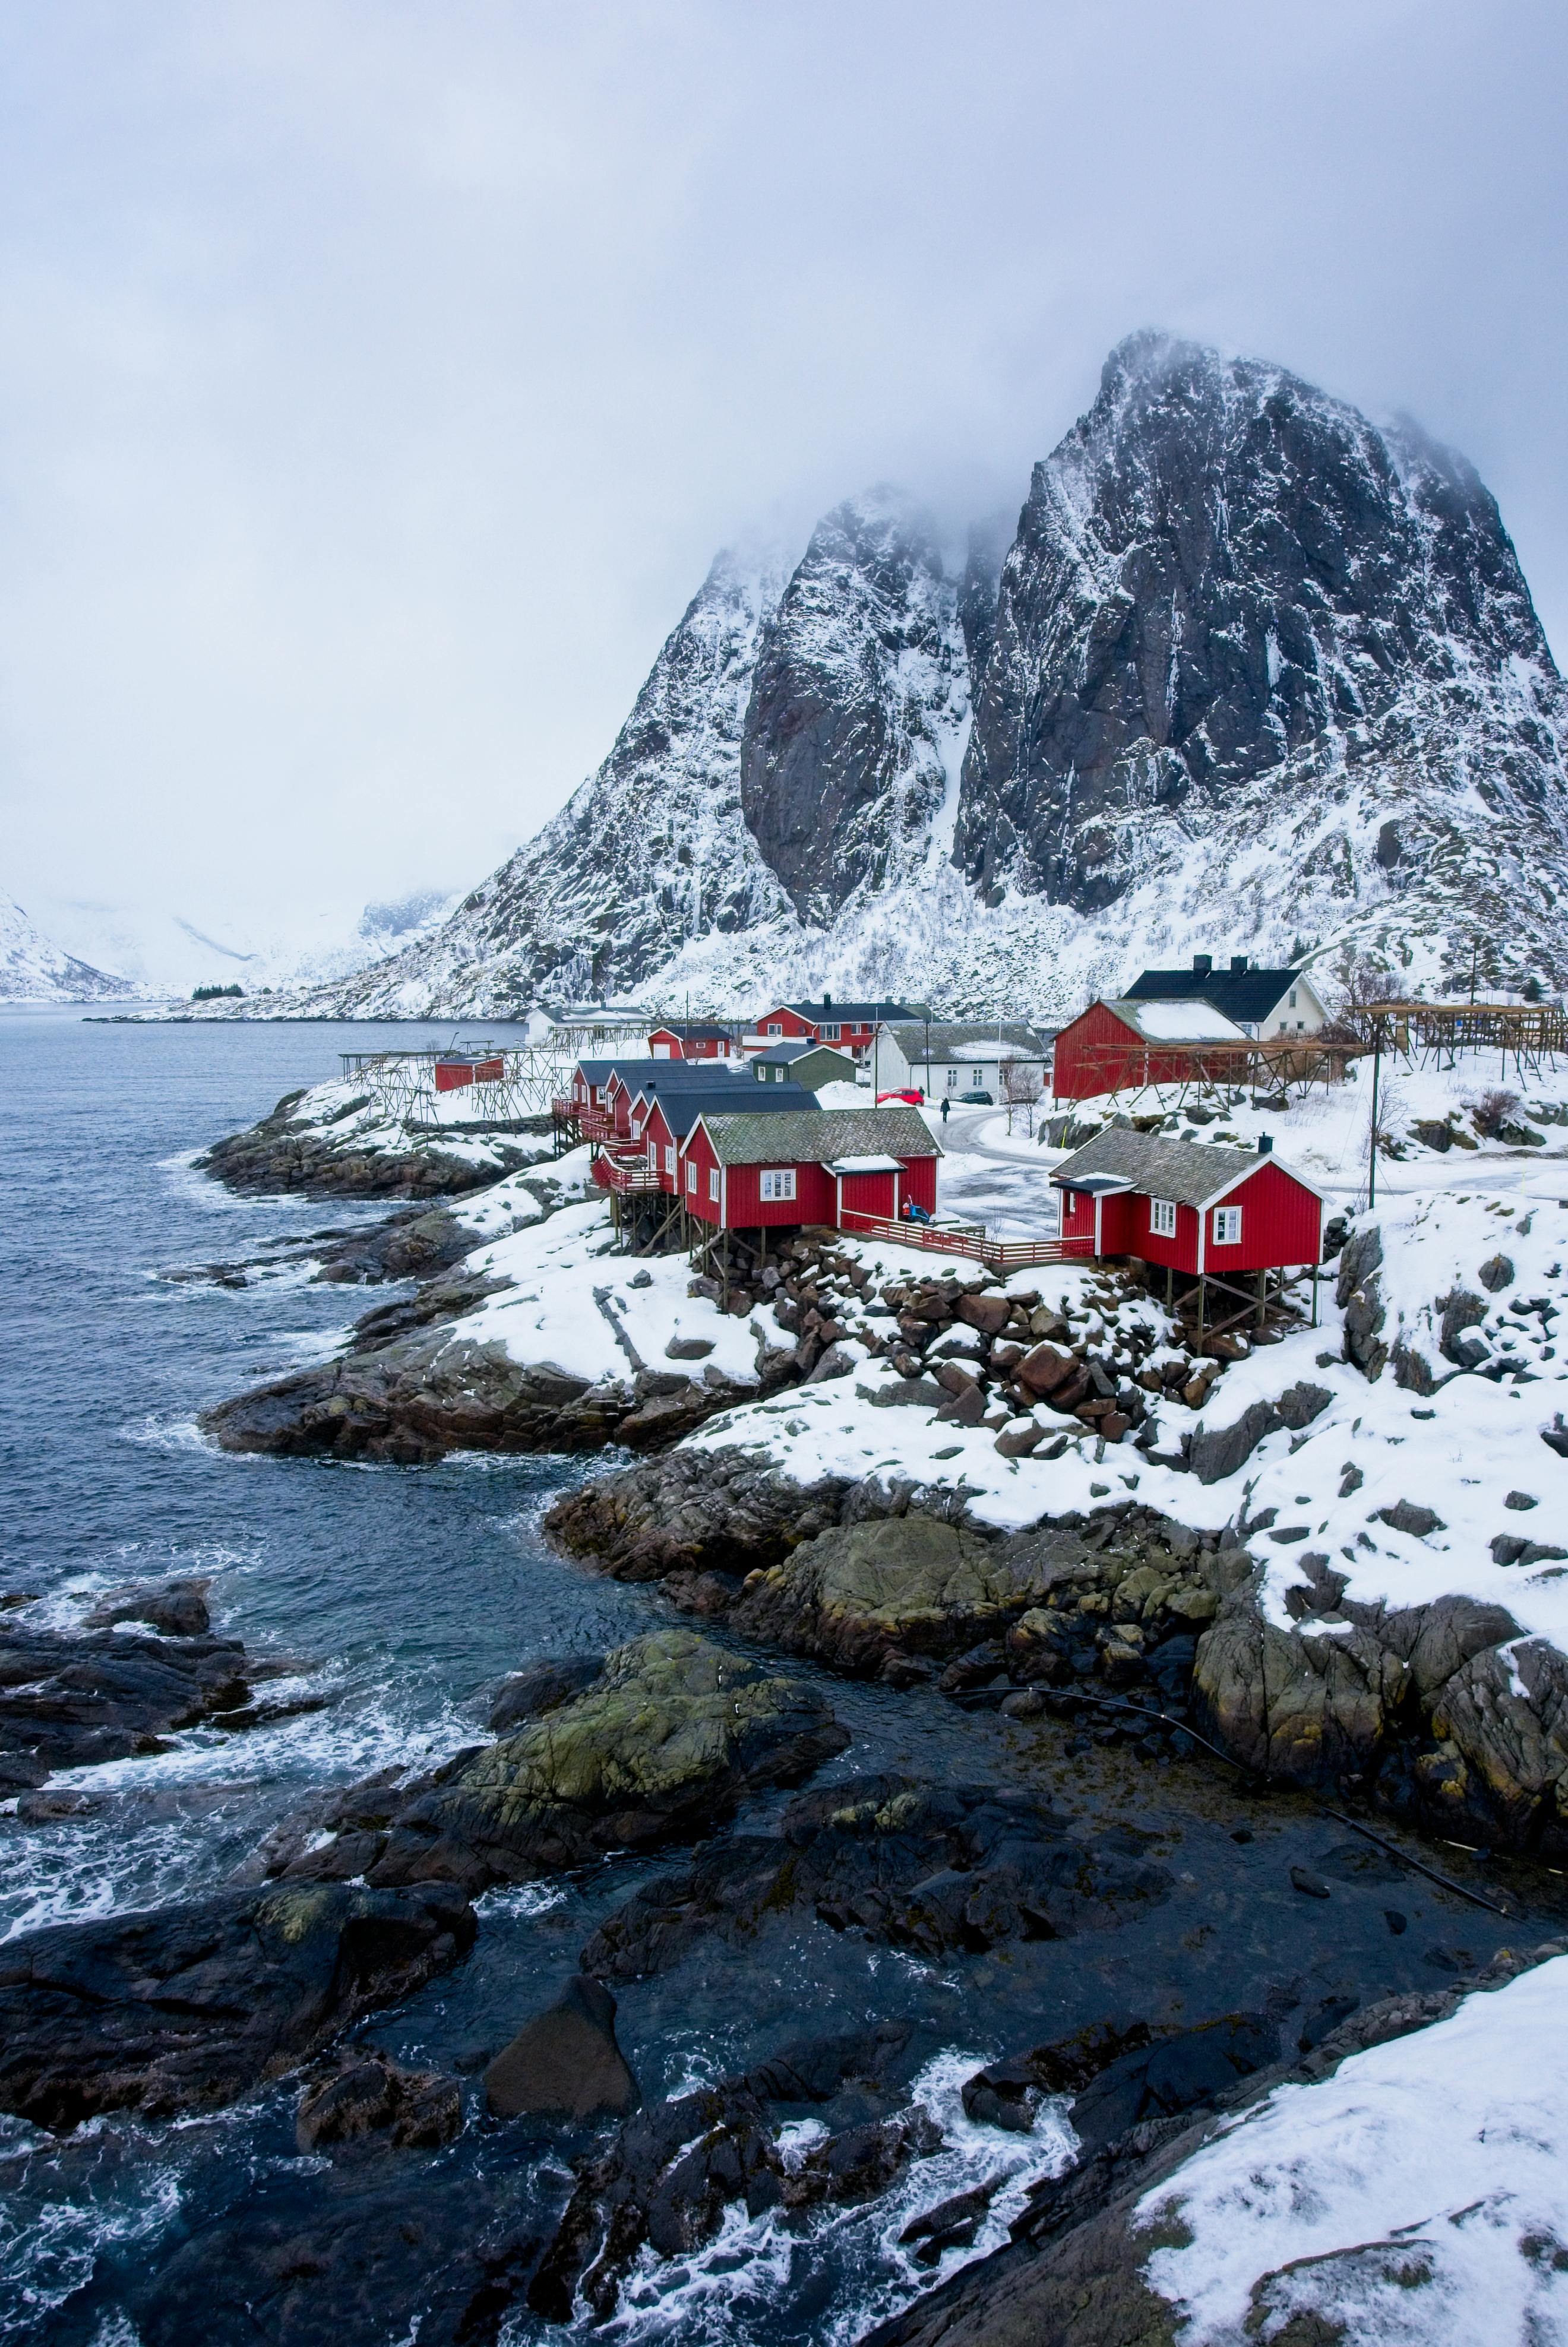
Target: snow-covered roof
{"x": 867, "y": 1164}
{"x": 983, "y": 1041}
{"x": 1190, "y": 1173}
{"x": 1177, "y": 1023}
{"x": 818, "y": 1135}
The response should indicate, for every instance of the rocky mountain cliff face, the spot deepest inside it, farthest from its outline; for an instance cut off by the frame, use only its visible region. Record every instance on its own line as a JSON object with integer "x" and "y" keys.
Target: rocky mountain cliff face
{"x": 1248, "y": 674}
{"x": 859, "y": 711}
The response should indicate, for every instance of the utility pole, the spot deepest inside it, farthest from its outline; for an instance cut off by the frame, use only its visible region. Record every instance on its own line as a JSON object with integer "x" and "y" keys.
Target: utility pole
{"x": 1372, "y": 1152}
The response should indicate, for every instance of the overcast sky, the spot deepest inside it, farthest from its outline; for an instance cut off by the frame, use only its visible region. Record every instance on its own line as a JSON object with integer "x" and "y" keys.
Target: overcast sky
{"x": 376, "y": 381}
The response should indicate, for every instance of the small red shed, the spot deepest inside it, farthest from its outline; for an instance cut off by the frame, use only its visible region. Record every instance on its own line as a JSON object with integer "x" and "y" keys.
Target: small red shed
{"x": 1114, "y": 1045}
{"x": 1190, "y": 1205}
{"x": 748, "y": 1170}
{"x": 688, "y": 1042}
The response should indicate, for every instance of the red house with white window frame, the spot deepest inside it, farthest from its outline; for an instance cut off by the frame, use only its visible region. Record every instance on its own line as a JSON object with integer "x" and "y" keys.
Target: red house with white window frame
{"x": 747, "y": 1171}
{"x": 1206, "y": 1211}
{"x": 688, "y": 1042}
{"x": 669, "y": 1121}
{"x": 1115, "y": 1046}
{"x": 851, "y": 1026}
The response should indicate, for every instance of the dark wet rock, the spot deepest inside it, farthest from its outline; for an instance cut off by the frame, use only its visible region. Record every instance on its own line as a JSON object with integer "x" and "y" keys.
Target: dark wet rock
{"x": 368, "y": 2098}
{"x": 1311, "y": 1886}
{"x": 662, "y": 1745}
{"x": 565, "y": 2064}
{"x": 1497, "y": 1273}
{"x": 1359, "y": 1294}
{"x": 71, "y": 1702}
{"x": 1214, "y": 1453}
{"x": 186, "y": 2007}
{"x": 175, "y": 1609}
{"x": 370, "y": 2256}
{"x": 692, "y": 1511}
{"x": 284, "y": 1152}
{"x": 1412, "y": 1516}
{"x": 676, "y": 2167}
{"x": 952, "y": 2224}
{"x": 414, "y": 1245}
{"x": 933, "y": 1869}
{"x": 543, "y": 1687}
{"x": 813, "y": 2070}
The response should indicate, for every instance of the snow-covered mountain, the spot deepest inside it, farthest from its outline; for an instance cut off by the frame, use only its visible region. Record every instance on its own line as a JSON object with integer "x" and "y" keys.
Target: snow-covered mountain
{"x": 162, "y": 953}
{"x": 1250, "y": 674}
{"x": 32, "y": 968}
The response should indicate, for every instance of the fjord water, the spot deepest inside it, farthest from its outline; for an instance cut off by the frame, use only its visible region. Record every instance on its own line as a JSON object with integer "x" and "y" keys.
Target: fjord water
{"x": 405, "y": 1594}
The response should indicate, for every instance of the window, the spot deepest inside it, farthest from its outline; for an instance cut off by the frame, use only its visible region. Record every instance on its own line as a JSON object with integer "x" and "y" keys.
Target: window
{"x": 778, "y": 1181}
{"x": 773, "y": 1026}
{"x": 952, "y": 1080}
{"x": 976, "y": 1075}
{"x": 1292, "y": 998}
{"x": 690, "y": 1177}
{"x": 1163, "y": 1218}
{"x": 830, "y": 1032}
{"x": 1301, "y": 1026}
{"x": 670, "y": 1159}
{"x": 713, "y": 1185}
{"x": 1228, "y": 1226}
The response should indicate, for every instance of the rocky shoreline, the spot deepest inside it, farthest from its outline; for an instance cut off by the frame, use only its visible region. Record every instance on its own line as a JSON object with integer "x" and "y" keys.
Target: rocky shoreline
{"x": 329, "y": 1142}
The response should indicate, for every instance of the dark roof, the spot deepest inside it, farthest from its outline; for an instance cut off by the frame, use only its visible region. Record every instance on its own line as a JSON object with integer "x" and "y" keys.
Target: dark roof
{"x": 796, "y": 1048}
{"x": 691, "y": 1034}
{"x": 821, "y": 1013}
{"x": 664, "y": 1074}
{"x": 680, "y": 1110}
{"x": 1241, "y": 994}
{"x": 1190, "y": 1173}
{"x": 818, "y": 1135}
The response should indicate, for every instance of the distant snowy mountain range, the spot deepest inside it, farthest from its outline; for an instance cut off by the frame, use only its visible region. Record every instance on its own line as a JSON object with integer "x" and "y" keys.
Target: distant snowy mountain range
{"x": 91, "y": 953}
{"x": 1248, "y": 674}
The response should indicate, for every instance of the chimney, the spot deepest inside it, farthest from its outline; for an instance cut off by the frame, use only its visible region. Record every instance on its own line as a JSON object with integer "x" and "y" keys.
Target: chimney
{"x": 1265, "y": 1144}
{"x": 1238, "y": 964}
{"x": 1201, "y": 965}
{"x": 826, "y": 1000}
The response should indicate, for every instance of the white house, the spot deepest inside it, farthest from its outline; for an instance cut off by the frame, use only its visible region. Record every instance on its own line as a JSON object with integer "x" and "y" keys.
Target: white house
{"x": 1264, "y": 1003}
{"x": 951, "y": 1056}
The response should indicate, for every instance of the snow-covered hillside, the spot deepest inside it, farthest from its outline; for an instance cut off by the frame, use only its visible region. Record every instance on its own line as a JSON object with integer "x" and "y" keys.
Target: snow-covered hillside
{"x": 32, "y": 968}
{"x": 1256, "y": 675}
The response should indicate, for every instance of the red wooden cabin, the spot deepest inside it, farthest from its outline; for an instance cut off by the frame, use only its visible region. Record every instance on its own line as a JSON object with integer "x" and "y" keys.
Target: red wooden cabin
{"x": 851, "y": 1026}
{"x": 667, "y": 1125}
{"x": 689, "y": 1043}
{"x": 748, "y": 1172}
{"x": 1207, "y": 1211}
{"x": 1115, "y": 1046}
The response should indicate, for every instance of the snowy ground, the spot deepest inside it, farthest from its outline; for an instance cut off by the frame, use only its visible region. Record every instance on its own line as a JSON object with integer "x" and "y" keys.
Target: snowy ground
{"x": 347, "y": 1119}
{"x": 1418, "y": 2198}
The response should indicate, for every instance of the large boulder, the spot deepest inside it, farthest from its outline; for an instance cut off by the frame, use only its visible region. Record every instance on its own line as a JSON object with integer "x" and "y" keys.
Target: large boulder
{"x": 565, "y": 2064}
{"x": 861, "y": 1592}
{"x": 186, "y": 2007}
{"x": 73, "y": 1702}
{"x": 663, "y": 1744}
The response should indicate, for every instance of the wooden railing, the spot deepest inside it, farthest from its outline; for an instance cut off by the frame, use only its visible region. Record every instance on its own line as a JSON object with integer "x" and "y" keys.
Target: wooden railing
{"x": 627, "y": 1176}
{"x": 970, "y": 1239}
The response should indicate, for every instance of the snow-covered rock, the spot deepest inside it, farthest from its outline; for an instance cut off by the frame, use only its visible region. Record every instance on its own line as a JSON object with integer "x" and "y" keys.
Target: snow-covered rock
{"x": 32, "y": 968}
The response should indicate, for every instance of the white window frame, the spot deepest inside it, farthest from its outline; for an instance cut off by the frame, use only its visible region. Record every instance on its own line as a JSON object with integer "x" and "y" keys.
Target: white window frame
{"x": 952, "y": 1080}
{"x": 1292, "y": 998}
{"x": 1163, "y": 1218}
{"x": 1226, "y": 1226}
{"x": 692, "y": 1175}
{"x": 774, "y": 1028}
{"x": 713, "y": 1186}
{"x": 977, "y": 1078}
{"x": 776, "y": 1184}
{"x": 828, "y": 1032}
{"x": 669, "y": 1157}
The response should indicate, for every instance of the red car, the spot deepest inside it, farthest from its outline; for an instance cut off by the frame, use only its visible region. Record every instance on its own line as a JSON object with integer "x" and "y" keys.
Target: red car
{"x": 916, "y": 1099}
